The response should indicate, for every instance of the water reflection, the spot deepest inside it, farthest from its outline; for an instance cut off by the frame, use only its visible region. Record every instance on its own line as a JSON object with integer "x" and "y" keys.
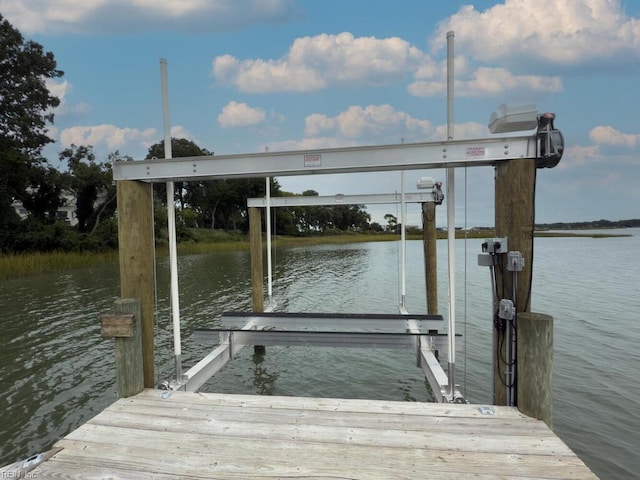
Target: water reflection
{"x": 57, "y": 371}
{"x": 262, "y": 379}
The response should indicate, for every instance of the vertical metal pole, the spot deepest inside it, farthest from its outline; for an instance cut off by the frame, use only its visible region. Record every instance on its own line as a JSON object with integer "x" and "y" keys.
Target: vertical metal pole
{"x": 451, "y": 221}
{"x": 171, "y": 220}
{"x": 268, "y": 210}
{"x": 403, "y": 248}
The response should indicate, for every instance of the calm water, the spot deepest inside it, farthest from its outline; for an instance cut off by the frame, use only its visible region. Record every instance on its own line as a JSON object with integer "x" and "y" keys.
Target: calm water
{"x": 57, "y": 371}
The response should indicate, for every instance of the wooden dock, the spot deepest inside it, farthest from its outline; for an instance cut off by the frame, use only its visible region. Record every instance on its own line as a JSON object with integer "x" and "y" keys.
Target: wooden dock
{"x": 167, "y": 434}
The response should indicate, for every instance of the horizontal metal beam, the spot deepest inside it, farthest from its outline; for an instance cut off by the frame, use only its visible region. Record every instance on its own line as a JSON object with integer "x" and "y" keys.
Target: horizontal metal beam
{"x": 435, "y": 374}
{"x": 304, "y": 338}
{"x": 206, "y": 368}
{"x": 317, "y": 200}
{"x": 405, "y": 156}
{"x": 333, "y": 322}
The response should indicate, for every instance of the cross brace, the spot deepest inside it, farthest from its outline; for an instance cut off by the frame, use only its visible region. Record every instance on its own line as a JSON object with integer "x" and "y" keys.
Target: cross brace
{"x": 405, "y": 156}
{"x": 317, "y": 200}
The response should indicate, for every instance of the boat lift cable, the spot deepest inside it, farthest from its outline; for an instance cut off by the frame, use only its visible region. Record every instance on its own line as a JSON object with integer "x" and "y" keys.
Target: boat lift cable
{"x": 464, "y": 337}
{"x": 403, "y": 248}
{"x": 451, "y": 226}
{"x": 155, "y": 286}
{"x": 398, "y": 260}
{"x": 274, "y": 253}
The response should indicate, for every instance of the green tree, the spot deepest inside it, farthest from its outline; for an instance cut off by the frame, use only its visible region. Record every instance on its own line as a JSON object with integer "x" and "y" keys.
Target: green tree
{"x": 350, "y": 217}
{"x": 43, "y": 197}
{"x": 90, "y": 182}
{"x": 392, "y": 222}
{"x": 25, "y": 113}
{"x": 218, "y": 203}
{"x": 180, "y": 147}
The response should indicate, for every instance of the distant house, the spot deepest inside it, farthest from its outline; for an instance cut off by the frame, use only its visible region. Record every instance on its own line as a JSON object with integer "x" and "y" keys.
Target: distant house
{"x": 66, "y": 212}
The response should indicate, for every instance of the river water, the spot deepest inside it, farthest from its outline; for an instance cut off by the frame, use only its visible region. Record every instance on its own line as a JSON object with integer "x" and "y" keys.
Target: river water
{"x": 57, "y": 372}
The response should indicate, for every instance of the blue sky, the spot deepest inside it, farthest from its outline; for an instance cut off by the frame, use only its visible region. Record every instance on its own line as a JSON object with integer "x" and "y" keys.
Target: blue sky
{"x": 245, "y": 75}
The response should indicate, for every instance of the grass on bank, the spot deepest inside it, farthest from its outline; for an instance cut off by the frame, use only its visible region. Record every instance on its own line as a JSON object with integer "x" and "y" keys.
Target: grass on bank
{"x": 207, "y": 241}
{"x": 37, "y": 263}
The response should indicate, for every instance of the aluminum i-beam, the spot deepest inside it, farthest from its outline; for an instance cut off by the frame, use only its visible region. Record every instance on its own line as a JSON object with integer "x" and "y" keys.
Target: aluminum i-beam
{"x": 318, "y": 200}
{"x": 405, "y": 156}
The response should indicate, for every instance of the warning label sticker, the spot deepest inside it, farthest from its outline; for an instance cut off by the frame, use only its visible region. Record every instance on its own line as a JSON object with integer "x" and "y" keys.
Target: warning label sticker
{"x": 313, "y": 160}
{"x": 475, "y": 151}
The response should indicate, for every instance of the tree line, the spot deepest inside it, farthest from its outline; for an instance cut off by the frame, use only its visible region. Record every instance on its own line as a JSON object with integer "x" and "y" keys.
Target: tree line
{"x": 30, "y": 182}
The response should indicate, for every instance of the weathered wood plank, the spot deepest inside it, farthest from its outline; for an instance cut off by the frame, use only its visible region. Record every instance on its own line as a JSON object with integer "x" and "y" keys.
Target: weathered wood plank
{"x": 421, "y": 423}
{"x": 121, "y": 325}
{"x": 330, "y": 404}
{"x": 473, "y": 440}
{"x": 191, "y": 454}
{"x": 191, "y": 435}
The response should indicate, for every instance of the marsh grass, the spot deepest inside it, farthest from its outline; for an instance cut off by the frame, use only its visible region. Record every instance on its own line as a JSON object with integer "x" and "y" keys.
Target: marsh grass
{"x": 38, "y": 263}
{"x": 12, "y": 266}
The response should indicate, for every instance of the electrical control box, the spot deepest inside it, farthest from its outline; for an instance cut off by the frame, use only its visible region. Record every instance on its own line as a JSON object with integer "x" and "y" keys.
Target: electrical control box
{"x": 495, "y": 245}
{"x": 506, "y": 310}
{"x": 485, "y": 260}
{"x": 515, "y": 261}
{"x": 513, "y": 118}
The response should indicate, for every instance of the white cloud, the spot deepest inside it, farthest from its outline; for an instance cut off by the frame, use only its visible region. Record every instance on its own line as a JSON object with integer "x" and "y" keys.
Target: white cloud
{"x": 374, "y": 124}
{"x": 461, "y": 130}
{"x": 236, "y": 114}
{"x": 313, "y": 143}
{"x": 313, "y": 63}
{"x": 579, "y": 155}
{"x": 58, "y": 89}
{"x": 323, "y": 61}
{"x": 371, "y": 121}
{"x": 61, "y": 89}
{"x": 494, "y": 81}
{"x": 106, "y": 135}
{"x": 610, "y": 136}
{"x": 178, "y": 131}
{"x": 108, "y": 138}
{"x": 562, "y": 33}
{"x": 82, "y": 16}
{"x": 479, "y": 82}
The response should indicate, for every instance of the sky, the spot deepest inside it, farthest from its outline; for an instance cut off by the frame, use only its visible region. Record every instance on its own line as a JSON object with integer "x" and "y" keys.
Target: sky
{"x": 250, "y": 75}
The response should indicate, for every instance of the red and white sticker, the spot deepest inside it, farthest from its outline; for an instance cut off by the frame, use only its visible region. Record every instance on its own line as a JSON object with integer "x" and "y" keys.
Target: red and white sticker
{"x": 313, "y": 160}
{"x": 475, "y": 151}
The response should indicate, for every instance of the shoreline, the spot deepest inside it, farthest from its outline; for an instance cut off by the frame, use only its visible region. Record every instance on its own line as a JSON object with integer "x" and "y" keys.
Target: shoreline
{"x": 19, "y": 265}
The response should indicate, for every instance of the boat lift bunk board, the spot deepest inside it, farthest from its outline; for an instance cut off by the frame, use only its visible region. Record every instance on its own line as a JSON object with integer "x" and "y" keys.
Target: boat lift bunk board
{"x": 422, "y": 333}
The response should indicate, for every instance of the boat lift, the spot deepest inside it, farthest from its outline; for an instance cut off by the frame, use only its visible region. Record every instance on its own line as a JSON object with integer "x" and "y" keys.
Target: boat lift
{"x": 545, "y": 145}
{"x": 541, "y": 145}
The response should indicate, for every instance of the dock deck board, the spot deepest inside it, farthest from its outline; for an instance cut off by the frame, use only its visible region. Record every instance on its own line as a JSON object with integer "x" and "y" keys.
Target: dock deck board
{"x": 215, "y": 436}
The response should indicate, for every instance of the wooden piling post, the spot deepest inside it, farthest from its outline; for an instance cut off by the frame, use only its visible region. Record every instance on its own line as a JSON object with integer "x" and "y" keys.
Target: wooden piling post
{"x": 535, "y": 366}
{"x": 136, "y": 247}
{"x": 125, "y": 327}
{"x": 257, "y": 272}
{"x": 430, "y": 258}
{"x": 514, "y": 218}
